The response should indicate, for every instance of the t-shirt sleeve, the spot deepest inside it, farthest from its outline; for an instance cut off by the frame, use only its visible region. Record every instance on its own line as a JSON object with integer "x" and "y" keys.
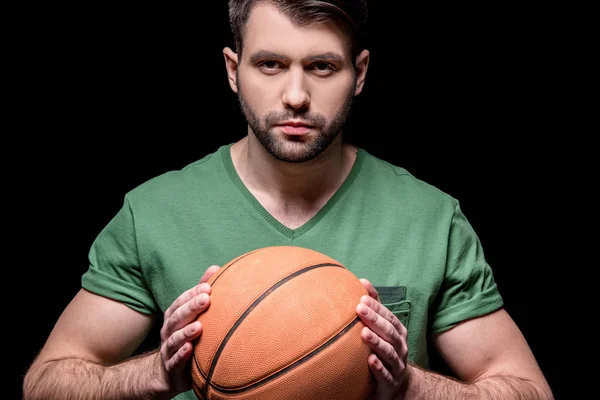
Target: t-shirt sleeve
{"x": 114, "y": 268}
{"x": 468, "y": 289}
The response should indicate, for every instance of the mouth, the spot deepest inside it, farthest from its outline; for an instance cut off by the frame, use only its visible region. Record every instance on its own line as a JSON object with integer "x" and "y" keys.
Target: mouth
{"x": 294, "y": 127}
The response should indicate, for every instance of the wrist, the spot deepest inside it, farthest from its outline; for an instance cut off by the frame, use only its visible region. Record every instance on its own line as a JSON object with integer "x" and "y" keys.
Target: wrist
{"x": 417, "y": 381}
{"x": 159, "y": 381}
{"x": 410, "y": 381}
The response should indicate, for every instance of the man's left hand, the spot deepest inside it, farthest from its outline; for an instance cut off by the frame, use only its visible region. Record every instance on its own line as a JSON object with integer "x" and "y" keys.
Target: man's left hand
{"x": 387, "y": 337}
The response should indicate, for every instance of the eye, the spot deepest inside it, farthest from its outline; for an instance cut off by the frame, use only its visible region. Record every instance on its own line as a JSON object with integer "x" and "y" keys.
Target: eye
{"x": 270, "y": 66}
{"x": 323, "y": 68}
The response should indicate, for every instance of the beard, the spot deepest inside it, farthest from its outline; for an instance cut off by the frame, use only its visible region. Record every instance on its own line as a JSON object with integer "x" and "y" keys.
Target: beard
{"x": 296, "y": 149}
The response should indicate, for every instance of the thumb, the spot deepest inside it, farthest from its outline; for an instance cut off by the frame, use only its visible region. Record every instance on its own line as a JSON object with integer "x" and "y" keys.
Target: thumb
{"x": 370, "y": 288}
{"x": 209, "y": 272}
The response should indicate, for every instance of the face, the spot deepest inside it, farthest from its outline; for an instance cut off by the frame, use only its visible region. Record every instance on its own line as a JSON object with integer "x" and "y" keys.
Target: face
{"x": 295, "y": 84}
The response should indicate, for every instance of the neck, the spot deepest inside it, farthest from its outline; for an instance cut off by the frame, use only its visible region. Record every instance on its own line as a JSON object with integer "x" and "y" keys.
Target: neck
{"x": 288, "y": 182}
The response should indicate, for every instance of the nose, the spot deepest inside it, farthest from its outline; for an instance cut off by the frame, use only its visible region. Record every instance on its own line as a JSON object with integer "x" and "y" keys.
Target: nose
{"x": 296, "y": 94}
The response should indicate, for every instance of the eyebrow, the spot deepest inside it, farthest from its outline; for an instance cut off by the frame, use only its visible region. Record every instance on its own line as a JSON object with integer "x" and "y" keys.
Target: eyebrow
{"x": 269, "y": 55}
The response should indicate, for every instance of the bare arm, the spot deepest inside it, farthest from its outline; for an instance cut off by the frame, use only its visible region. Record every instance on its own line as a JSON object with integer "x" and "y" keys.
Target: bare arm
{"x": 489, "y": 356}
{"x": 88, "y": 353}
{"x": 491, "y": 359}
{"x": 92, "y": 333}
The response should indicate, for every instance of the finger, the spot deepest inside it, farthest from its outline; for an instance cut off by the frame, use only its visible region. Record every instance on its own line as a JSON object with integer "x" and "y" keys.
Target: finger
{"x": 370, "y": 288}
{"x": 389, "y": 328}
{"x": 185, "y": 314}
{"x": 187, "y": 296}
{"x": 385, "y": 352}
{"x": 383, "y": 377}
{"x": 178, "y": 348}
{"x": 385, "y": 313}
{"x": 209, "y": 272}
{"x": 180, "y": 337}
{"x": 381, "y": 335}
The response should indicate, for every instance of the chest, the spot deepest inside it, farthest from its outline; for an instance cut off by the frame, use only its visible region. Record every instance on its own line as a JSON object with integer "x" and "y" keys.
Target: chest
{"x": 291, "y": 214}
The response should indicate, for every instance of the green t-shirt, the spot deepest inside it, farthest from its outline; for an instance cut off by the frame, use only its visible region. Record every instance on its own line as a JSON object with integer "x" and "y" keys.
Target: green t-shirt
{"x": 410, "y": 239}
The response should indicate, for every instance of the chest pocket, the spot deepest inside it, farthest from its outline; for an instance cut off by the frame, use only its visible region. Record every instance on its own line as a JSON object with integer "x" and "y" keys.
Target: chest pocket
{"x": 394, "y": 299}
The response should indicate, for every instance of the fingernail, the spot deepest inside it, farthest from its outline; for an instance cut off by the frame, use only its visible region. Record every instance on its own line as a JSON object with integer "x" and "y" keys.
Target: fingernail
{"x": 364, "y": 310}
{"x": 201, "y": 299}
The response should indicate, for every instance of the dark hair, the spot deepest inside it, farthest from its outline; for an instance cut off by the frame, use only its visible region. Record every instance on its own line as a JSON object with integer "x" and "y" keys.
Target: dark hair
{"x": 351, "y": 15}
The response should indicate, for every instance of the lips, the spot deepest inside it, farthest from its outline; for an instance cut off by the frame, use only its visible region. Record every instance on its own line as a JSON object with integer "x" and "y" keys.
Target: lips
{"x": 294, "y": 128}
{"x": 295, "y": 124}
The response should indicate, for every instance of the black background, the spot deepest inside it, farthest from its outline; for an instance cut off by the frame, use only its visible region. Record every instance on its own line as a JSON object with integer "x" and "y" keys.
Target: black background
{"x": 459, "y": 96}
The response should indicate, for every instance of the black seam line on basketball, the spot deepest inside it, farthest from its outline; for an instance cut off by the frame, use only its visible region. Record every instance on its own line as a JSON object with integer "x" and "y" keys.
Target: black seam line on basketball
{"x": 217, "y": 278}
{"x": 200, "y": 394}
{"x": 294, "y": 365}
{"x": 249, "y": 309}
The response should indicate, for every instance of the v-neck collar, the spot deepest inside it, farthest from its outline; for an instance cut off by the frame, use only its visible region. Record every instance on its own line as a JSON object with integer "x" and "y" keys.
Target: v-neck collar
{"x": 284, "y": 230}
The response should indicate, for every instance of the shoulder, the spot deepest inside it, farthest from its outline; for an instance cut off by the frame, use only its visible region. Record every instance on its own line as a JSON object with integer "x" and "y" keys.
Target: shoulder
{"x": 190, "y": 180}
{"x": 386, "y": 178}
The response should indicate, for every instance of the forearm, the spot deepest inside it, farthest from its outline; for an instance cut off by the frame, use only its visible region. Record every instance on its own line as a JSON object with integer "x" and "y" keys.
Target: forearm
{"x": 431, "y": 386}
{"x": 140, "y": 377}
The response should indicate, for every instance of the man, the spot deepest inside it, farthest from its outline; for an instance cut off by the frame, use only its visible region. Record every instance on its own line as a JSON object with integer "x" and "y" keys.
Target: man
{"x": 290, "y": 180}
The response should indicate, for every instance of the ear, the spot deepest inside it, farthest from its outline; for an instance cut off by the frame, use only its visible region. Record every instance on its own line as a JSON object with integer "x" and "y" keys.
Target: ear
{"x": 362, "y": 64}
{"x": 231, "y": 64}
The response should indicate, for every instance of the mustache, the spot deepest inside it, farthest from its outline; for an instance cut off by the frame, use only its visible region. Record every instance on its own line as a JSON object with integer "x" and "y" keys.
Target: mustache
{"x": 277, "y": 117}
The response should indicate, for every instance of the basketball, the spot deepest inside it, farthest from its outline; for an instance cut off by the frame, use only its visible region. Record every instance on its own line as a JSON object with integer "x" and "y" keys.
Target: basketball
{"x": 282, "y": 325}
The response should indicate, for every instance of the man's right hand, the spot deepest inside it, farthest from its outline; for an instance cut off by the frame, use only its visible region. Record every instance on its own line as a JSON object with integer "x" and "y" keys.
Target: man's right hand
{"x": 180, "y": 329}
{"x": 96, "y": 347}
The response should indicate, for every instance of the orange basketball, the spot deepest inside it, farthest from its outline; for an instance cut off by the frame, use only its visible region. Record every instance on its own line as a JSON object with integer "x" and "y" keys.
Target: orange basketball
{"x": 282, "y": 325}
